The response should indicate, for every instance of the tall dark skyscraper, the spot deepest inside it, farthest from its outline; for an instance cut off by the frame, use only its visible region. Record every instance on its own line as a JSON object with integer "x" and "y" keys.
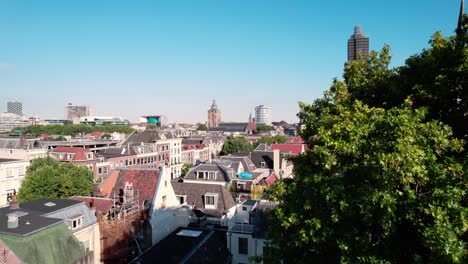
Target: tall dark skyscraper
{"x": 358, "y": 43}
{"x": 15, "y": 107}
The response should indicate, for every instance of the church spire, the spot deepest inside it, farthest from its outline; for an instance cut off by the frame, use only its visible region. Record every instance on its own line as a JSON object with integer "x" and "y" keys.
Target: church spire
{"x": 461, "y": 17}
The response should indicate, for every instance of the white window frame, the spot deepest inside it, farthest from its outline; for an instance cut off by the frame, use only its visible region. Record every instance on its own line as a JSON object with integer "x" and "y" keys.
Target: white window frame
{"x": 76, "y": 222}
{"x": 239, "y": 184}
{"x": 215, "y": 200}
{"x": 211, "y": 175}
{"x": 263, "y": 164}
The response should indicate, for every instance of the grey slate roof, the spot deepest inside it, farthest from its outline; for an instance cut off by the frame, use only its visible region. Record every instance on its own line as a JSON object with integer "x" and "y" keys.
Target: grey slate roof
{"x": 230, "y": 127}
{"x": 223, "y": 173}
{"x": 262, "y": 147}
{"x": 248, "y": 165}
{"x": 147, "y": 136}
{"x": 36, "y": 222}
{"x": 63, "y": 209}
{"x": 196, "y": 193}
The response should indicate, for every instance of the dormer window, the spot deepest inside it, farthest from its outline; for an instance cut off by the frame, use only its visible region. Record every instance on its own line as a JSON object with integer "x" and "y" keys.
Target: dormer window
{"x": 69, "y": 156}
{"x": 76, "y": 222}
{"x": 89, "y": 155}
{"x": 262, "y": 164}
{"x": 211, "y": 200}
{"x": 211, "y": 175}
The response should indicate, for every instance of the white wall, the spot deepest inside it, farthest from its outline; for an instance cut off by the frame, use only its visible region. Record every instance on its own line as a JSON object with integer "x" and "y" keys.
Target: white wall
{"x": 255, "y": 247}
{"x": 166, "y": 215}
{"x": 12, "y": 174}
{"x": 92, "y": 236}
{"x": 23, "y": 154}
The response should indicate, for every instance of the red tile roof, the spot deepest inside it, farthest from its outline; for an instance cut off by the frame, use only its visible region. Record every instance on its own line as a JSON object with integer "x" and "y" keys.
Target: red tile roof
{"x": 102, "y": 205}
{"x": 296, "y": 149}
{"x": 80, "y": 154}
{"x": 268, "y": 181}
{"x": 193, "y": 146}
{"x": 142, "y": 181}
{"x": 97, "y": 134}
{"x": 106, "y": 187}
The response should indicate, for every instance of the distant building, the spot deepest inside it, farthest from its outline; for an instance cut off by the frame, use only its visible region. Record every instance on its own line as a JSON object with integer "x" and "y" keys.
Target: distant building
{"x": 229, "y": 128}
{"x": 15, "y": 108}
{"x": 8, "y": 121}
{"x": 263, "y": 115}
{"x": 358, "y": 44}
{"x": 75, "y": 112}
{"x": 214, "y": 116}
{"x": 157, "y": 120}
{"x": 104, "y": 120}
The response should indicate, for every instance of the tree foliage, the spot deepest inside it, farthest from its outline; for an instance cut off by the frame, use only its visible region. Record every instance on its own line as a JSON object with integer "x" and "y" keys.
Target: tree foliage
{"x": 73, "y": 130}
{"x": 185, "y": 169}
{"x": 379, "y": 186}
{"x": 49, "y": 178}
{"x": 278, "y": 139}
{"x": 436, "y": 78}
{"x": 202, "y": 127}
{"x": 234, "y": 144}
{"x": 262, "y": 128}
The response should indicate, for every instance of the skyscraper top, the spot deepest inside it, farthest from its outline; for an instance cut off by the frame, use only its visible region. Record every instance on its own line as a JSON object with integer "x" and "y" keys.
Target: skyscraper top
{"x": 358, "y": 45}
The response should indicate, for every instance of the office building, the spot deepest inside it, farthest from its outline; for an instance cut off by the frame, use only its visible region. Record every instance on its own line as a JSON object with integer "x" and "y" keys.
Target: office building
{"x": 263, "y": 115}
{"x": 358, "y": 45}
{"x": 75, "y": 112}
{"x": 15, "y": 107}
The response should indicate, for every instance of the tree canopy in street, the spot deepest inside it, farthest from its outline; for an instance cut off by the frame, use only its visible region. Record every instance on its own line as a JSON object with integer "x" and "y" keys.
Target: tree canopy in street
{"x": 49, "y": 178}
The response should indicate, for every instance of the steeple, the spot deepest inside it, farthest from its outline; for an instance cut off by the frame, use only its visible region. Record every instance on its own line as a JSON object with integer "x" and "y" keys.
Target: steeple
{"x": 460, "y": 17}
{"x": 214, "y": 105}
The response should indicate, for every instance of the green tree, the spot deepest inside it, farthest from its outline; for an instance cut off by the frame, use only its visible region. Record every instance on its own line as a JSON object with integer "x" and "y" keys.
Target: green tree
{"x": 60, "y": 138}
{"x": 234, "y": 144}
{"x": 185, "y": 169}
{"x": 263, "y": 128}
{"x": 278, "y": 139}
{"x": 202, "y": 127}
{"x": 151, "y": 126}
{"x": 74, "y": 129}
{"x": 48, "y": 178}
{"x": 435, "y": 79}
{"x": 106, "y": 136}
{"x": 380, "y": 186}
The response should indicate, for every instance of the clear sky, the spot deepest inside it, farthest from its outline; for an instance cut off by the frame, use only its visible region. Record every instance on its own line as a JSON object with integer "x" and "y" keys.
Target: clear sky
{"x": 131, "y": 58}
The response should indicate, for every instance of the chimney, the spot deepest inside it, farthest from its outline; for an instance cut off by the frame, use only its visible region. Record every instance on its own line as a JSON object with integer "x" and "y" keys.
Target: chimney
{"x": 14, "y": 204}
{"x": 12, "y": 221}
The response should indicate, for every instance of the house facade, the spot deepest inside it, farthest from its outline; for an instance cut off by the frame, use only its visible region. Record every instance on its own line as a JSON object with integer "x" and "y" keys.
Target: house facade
{"x": 12, "y": 173}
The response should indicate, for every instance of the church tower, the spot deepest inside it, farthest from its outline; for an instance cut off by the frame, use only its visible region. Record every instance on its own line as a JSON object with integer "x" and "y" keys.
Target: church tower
{"x": 214, "y": 116}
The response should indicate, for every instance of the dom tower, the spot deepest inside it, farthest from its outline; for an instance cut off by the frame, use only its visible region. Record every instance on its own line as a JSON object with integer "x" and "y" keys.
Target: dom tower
{"x": 214, "y": 116}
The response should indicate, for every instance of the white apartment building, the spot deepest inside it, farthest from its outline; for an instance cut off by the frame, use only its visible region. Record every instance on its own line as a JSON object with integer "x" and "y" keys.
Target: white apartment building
{"x": 12, "y": 173}
{"x": 263, "y": 115}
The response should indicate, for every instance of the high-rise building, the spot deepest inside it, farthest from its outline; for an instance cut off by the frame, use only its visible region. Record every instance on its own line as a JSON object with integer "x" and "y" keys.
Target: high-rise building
{"x": 214, "y": 116}
{"x": 75, "y": 112}
{"x": 263, "y": 115}
{"x": 358, "y": 43}
{"x": 15, "y": 108}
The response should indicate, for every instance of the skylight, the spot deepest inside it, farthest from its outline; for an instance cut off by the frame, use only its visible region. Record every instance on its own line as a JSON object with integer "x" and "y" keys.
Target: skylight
{"x": 189, "y": 233}
{"x": 50, "y": 204}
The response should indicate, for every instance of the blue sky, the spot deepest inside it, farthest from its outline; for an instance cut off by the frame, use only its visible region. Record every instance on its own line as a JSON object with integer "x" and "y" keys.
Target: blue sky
{"x": 130, "y": 58}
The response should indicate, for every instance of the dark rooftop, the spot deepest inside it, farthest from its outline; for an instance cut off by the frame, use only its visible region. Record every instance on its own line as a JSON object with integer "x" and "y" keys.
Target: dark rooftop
{"x": 208, "y": 247}
{"x": 29, "y": 221}
{"x": 48, "y": 205}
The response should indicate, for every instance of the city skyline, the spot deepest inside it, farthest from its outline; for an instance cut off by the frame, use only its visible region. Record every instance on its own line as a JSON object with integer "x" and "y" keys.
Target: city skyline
{"x": 173, "y": 58}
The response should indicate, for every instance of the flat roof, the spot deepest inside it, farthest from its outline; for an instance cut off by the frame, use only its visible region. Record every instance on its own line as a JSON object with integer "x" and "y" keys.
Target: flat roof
{"x": 48, "y": 205}
{"x": 29, "y": 221}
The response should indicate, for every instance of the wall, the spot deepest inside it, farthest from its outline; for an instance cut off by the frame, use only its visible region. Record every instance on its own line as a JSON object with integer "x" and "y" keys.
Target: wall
{"x": 11, "y": 175}
{"x": 92, "y": 236}
{"x": 255, "y": 247}
{"x": 23, "y": 154}
{"x": 166, "y": 214}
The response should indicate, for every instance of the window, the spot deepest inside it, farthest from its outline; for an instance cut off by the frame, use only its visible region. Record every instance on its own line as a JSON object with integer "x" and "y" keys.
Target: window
{"x": 244, "y": 208}
{"x": 211, "y": 175}
{"x": 9, "y": 172}
{"x": 262, "y": 164}
{"x": 100, "y": 171}
{"x": 243, "y": 246}
{"x": 241, "y": 185}
{"x": 76, "y": 222}
{"x": 181, "y": 198}
{"x": 10, "y": 194}
{"x": 209, "y": 200}
{"x": 200, "y": 175}
{"x": 90, "y": 155}
{"x": 69, "y": 156}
